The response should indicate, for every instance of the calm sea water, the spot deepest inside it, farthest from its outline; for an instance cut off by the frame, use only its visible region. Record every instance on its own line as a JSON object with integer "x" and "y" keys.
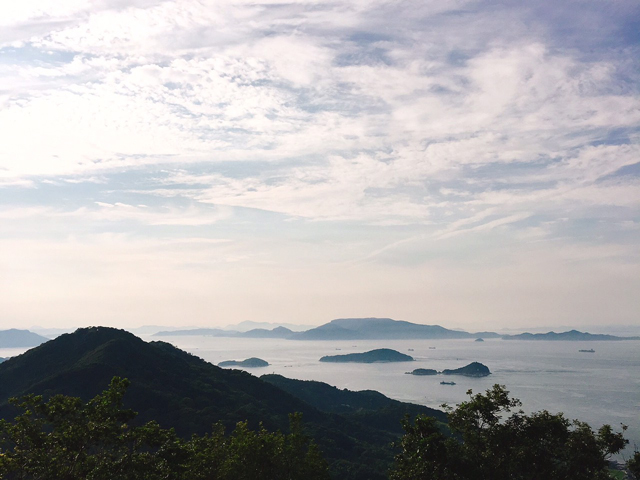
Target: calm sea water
{"x": 601, "y": 387}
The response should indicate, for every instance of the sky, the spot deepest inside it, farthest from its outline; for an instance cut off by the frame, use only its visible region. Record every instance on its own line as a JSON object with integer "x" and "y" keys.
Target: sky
{"x": 472, "y": 164}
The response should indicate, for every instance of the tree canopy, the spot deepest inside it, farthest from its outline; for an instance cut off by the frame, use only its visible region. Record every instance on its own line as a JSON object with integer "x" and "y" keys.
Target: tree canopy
{"x": 67, "y": 439}
{"x": 487, "y": 438}
{"x": 492, "y": 439}
{"x": 633, "y": 465}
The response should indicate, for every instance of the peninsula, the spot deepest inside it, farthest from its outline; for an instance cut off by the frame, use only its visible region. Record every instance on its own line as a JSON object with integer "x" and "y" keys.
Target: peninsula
{"x": 373, "y": 356}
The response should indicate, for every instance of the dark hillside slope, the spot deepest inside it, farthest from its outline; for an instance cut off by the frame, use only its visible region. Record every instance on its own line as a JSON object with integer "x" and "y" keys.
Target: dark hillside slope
{"x": 183, "y": 391}
{"x": 167, "y": 384}
{"x": 364, "y": 406}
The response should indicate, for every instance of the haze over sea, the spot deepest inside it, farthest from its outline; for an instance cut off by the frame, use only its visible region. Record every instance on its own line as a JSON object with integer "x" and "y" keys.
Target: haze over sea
{"x": 601, "y": 387}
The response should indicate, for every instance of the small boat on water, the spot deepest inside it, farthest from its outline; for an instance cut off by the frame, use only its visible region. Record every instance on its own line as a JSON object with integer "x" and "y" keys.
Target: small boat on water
{"x": 591, "y": 350}
{"x": 432, "y": 348}
{"x": 447, "y": 383}
{"x": 411, "y": 349}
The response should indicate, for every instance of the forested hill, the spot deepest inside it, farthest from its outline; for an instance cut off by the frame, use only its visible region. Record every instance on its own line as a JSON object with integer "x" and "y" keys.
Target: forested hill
{"x": 368, "y": 405}
{"x": 183, "y": 391}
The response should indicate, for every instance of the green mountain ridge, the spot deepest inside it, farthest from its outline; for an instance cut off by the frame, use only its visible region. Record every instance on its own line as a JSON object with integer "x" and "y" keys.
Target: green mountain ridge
{"x": 364, "y": 405}
{"x": 182, "y": 391}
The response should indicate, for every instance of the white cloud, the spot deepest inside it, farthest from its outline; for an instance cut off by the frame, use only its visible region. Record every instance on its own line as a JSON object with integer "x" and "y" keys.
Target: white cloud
{"x": 426, "y": 123}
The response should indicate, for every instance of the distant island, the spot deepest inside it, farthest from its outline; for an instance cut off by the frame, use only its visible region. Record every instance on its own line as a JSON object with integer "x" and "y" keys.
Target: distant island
{"x": 373, "y": 356}
{"x": 571, "y": 335}
{"x": 479, "y": 339}
{"x": 248, "y": 363}
{"x": 474, "y": 369}
{"x": 423, "y": 371}
{"x": 382, "y": 329}
{"x": 14, "y": 338}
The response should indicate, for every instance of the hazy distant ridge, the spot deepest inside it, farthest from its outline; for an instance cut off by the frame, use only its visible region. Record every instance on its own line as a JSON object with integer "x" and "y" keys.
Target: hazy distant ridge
{"x": 15, "y": 338}
{"x": 344, "y": 329}
{"x": 278, "y": 332}
{"x": 211, "y": 332}
{"x": 571, "y": 335}
{"x": 382, "y": 329}
{"x": 386, "y": 329}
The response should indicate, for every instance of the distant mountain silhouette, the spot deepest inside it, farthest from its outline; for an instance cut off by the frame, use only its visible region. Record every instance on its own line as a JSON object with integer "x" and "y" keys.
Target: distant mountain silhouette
{"x": 182, "y": 391}
{"x": 247, "y": 325}
{"x": 344, "y": 329}
{"x": 572, "y": 335}
{"x": 15, "y": 338}
{"x": 212, "y": 332}
{"x": 382, "y": 329}
{"x": 278, "y": 332}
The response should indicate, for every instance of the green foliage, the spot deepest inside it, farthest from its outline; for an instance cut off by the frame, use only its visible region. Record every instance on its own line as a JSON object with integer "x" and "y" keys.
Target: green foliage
{"x": 633, "y": 465}
{"x": 617, "y": 474}
{"x": 67, "y": 439}
{"x": 492, "y": 441}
